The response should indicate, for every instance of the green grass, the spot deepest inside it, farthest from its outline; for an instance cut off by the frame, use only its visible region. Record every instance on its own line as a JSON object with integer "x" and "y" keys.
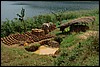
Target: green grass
{"x": 68, "y": 41}
{"x": 84, "y": 54}
{"x": 20, "y": 57}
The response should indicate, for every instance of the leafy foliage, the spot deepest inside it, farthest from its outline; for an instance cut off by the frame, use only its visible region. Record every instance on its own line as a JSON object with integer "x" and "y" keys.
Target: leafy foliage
{"x": 22, "y": 15}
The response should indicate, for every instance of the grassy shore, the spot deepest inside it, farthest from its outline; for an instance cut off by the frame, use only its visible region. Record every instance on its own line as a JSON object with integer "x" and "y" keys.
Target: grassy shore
{"x": 73, "y": 50}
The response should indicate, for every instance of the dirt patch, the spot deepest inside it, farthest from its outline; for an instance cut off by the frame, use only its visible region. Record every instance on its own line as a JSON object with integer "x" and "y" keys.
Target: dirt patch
{"x": 44, "y": 50}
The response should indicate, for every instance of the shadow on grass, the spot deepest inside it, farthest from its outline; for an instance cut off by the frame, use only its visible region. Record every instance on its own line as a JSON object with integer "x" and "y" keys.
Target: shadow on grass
{"x": 63, "y": 34}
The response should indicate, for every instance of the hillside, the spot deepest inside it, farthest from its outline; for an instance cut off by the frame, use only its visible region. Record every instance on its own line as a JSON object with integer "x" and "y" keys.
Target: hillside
{"x": 76, "y": 49}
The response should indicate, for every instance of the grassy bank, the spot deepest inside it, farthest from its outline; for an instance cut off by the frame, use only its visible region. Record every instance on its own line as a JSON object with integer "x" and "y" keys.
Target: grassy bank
{"x": 73, "y": 50}
{"x": 77, "y": 52}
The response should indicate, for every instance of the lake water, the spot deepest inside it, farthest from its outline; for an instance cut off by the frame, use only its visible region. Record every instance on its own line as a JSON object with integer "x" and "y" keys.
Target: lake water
{"x": 9, "y": 9}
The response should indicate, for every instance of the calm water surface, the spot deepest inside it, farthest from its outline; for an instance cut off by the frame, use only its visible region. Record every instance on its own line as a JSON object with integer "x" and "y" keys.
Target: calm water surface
{"x": 9, "y": 9}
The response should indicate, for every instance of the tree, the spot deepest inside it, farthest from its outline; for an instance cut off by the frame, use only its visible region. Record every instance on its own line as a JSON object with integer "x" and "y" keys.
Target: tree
{"x": 21, "y": 18}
